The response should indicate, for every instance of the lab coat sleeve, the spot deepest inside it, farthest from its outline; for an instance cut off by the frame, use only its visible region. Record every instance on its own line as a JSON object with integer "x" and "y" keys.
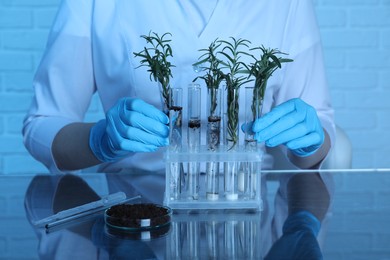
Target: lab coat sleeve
{"x": 64, "y": 81}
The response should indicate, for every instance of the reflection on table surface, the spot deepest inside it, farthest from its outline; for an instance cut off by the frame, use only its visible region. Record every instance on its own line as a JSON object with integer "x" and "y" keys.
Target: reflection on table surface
{"x": 357, "y": 227}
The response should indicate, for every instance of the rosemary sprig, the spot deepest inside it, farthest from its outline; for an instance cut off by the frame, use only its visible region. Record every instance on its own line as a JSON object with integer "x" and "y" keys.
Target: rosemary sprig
{"x": 233, "y": 53}
{"x": 213, "y": 77}
{"x": 262, "y": 69}
{"x": 156, "y": 58}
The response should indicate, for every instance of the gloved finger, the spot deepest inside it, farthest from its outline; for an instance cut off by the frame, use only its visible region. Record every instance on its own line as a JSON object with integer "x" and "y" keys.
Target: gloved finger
{"x": 139, "y": 138}
{"x": 313, "y": 121}
{"x": 145, "y": 123}
{"x": 134, "y": 146}
{"x": 122, "y": 130}
{"x": 247, "y": 127}
{"x": 146, "y": 109}
{"x": 275, "y": 114}
{"x": 118, "y": 130}
{"x": 295, "y": 132}
{"x": 313, "y": 140}
{"x": 287, "y": 122}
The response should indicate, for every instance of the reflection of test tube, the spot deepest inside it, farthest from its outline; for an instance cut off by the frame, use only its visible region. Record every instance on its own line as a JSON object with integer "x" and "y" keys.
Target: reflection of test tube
{"x": 212, "y": 239}
{"x": 194, "y": 115}
{"x": 214, "y": 105}
{"x": 231, "y": 239}
{"x": 174, "y": 243}
{"x": 175, "y": 140}
{"x": 251, "y": 246}
{"x": 193, "y": 237}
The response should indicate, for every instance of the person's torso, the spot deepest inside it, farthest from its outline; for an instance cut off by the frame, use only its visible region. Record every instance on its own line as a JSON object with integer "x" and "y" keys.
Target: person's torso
{"x": 117, "y": 27}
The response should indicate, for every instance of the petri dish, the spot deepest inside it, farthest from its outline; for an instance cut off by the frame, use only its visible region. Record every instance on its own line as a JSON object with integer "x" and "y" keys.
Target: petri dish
{"x": 137, "y": 217}
{"x": 116, "y": 234}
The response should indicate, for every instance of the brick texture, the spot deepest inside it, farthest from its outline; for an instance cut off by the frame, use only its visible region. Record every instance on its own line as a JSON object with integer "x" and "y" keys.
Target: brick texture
{"x": 356, "y": 39}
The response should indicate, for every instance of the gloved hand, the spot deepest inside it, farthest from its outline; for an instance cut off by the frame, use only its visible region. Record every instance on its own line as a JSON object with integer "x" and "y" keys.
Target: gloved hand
{"x": 299, "y": 239}
{"x": 131, "y": 125}
{"x": 293, "y": 123}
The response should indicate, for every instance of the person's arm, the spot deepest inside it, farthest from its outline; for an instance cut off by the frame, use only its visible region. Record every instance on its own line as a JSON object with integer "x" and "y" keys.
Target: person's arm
{"x": 71, "y": 149}
{"x": 314, "y": 160}
{"x": 63, "y": 85}
{"x": 307, "y": 191}
{"x": 130, "y": 126}
{"x": 308, "y": 201}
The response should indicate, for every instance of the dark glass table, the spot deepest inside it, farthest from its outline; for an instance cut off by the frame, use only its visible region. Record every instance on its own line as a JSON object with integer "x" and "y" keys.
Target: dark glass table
{"x": 357, "y": 227}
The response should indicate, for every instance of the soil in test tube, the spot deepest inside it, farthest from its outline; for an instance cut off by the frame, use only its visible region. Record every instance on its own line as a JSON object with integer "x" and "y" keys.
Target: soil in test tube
{"x": 213, "y": 141}
{"x": 194, "y": 123}
{"x": 175, "y": 114}
{"x": 194, "y": 134}
{"x": 213, "y": 132}
{"x": 193, "y": 168}
{"x": 177, "y": 110}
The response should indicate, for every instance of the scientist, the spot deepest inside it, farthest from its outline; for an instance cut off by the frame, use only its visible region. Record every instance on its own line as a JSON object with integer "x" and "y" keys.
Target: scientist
{"x": 90, "y": 50}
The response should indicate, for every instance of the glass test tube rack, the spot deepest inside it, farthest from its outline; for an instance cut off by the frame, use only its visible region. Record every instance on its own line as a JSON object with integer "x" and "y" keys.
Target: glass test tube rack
{"x": 245, "y": 182}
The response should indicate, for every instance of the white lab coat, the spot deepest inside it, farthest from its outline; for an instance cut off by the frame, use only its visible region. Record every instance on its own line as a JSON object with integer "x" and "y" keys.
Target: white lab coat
{"x": 90, "y": 49}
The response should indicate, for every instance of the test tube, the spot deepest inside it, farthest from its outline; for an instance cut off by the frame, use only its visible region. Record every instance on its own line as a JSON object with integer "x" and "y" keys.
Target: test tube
{"x": 253, "y": 105}
{"x": 231, "y": 142}
{"x": 213, "y": 138}
{"x": 175, "y": 141}
{"x": 194, "y": 127}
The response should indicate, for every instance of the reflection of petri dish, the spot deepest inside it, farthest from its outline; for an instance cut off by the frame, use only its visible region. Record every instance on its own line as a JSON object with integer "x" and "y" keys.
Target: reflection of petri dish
{"x": 137, "y": 217}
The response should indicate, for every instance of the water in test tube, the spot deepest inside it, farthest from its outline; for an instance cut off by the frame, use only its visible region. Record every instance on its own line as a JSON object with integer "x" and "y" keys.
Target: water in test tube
{"x": 194, "y": 127}
{"x": 214, "y": 108}
{"x": 175, "y": 141}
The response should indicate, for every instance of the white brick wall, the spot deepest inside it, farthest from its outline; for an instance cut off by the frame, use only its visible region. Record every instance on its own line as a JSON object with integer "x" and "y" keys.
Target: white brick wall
{"x": 356, "y": 37}
{"x": 24, "y": 26}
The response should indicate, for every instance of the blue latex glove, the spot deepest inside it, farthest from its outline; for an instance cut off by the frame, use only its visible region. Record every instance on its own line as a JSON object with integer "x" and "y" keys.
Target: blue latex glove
{"x": 293, "y": 123}
{"x": 299, "y": 239}
{"x": 131, "y": 125}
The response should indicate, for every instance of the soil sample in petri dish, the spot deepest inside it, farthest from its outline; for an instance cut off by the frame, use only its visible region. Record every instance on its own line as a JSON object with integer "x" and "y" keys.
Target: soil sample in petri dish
{"x": 140, "y": 216}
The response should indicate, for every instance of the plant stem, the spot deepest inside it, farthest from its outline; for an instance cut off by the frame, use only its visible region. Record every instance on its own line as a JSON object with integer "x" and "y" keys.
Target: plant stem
{"x": 156, "y": 58}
